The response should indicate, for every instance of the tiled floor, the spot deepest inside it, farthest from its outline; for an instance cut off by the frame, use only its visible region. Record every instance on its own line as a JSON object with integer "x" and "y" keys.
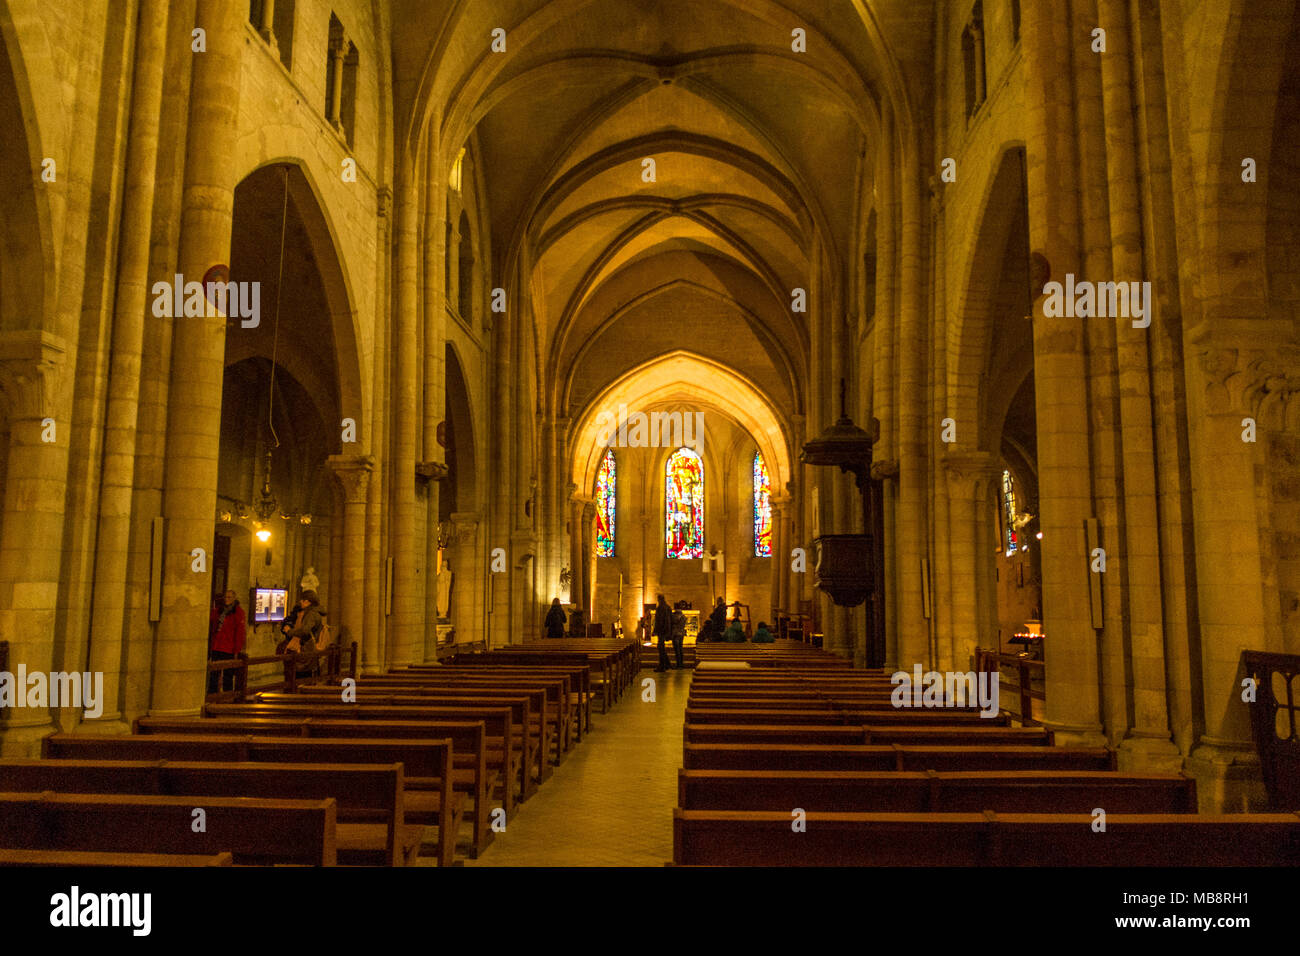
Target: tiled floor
{"x": 611, "y": 802}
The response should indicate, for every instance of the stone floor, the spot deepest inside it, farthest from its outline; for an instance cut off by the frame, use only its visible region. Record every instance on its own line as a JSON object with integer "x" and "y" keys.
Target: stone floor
{"x": 611, "y": 802}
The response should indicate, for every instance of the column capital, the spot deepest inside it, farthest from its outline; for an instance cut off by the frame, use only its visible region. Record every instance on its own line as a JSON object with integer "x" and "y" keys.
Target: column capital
{"x": 31, "y": 368}
{"x": 969, "y": 467}
{"x": 353, "y": 472}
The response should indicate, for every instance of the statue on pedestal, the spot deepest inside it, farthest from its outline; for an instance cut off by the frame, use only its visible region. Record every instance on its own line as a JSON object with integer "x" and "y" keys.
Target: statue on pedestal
{"x": 309, "y": 580}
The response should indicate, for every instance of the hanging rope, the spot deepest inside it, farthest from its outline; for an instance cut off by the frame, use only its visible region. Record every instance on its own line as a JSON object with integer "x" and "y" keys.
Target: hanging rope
{"x": 275, "y": 338}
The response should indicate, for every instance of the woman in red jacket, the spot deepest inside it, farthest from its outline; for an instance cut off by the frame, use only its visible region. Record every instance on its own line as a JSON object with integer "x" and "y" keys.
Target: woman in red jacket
{"x": 226, "y": 639}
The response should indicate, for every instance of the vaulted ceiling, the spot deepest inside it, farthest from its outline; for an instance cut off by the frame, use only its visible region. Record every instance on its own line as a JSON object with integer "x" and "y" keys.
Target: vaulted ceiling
{"x": 760, "y": 158}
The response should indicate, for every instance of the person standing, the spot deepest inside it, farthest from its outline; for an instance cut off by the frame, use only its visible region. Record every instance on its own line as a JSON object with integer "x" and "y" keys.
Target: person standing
{"x": 663, "y": 630}
{"x": 228, "y": 633}
{"x": 678, "y": 634}
{"x": 555, "y": 620}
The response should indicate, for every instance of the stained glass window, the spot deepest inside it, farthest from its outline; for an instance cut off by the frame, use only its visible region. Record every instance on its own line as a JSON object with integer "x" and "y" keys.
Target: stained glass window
{"x": 762, "y": 509}
{"x": 1009, "y": 511}
{"x": 684, "y": 504}
{"x": 606, "y": 505}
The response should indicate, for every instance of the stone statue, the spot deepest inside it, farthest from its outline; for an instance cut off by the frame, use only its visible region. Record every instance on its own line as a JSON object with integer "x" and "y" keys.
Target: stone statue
{"x": 445, "y": 578}
{"x": 309, "y": 580}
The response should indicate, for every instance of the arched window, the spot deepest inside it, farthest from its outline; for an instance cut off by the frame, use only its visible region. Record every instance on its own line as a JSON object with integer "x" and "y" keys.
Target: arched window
{"x": 1009, "y": 511}
{"x": 762, "y": 509}
{"x": 606, "y": 505}
{"x": 684, "y": 504}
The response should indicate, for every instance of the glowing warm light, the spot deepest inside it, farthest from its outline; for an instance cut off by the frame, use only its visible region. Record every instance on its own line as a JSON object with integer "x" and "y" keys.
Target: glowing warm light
{"x": 263, "y": 535}
{"x": 1039, "y": 536}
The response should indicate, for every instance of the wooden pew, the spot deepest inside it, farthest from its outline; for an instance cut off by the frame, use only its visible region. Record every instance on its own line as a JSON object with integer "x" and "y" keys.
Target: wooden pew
{"x": 371, "y": 831}
{"x": 549, "y": 703}
{"x": 477, "y": 770}
{"x": 856, "y": 715}
{"x": 1029, "y": 791}
{"x": 530, "y": 732}
{"x": 866, "y": 734}
{"x": 561, "y": 690}
{"x": 52, "y": 858}
{"x": 429, "y": 795}
{"x": 256, "y": 832}
{"x": 604, "y": 673}
{"x": 766, "y": 838}
{"x": 892, "y": 757}
{"x": 507, "y": 729}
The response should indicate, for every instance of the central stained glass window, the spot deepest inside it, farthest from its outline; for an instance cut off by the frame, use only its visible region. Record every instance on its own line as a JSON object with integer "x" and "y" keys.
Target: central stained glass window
{"x": 684, "y": 504}
{"x": 606, "y": 505}
{"x": 762, "y": 509}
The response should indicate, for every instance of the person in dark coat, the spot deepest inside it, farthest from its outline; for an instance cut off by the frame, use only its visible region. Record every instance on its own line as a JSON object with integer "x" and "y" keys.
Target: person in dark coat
{"x": 555, "y": 620}
{"x": 678, "y": 634}
{"x": 712, "y": 630}
{"x": 663, "y": 630}
{"x": 762, "y": 635}
{"x": 227, "y": 633}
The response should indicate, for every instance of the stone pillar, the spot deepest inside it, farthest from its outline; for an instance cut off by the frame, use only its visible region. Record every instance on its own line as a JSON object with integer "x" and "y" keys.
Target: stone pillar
{"x": 337, "y": 50}
{"x": 372, "y": 654}
{"x": 587, "y": 545}
{"x": 1224, "y": 383}
{"x": 109, "y": 596}
{"x": 1065, "y": 499}
{"x": 780, "y": 554}
{"x": 31, "y": 363}
{"x": 1149, "y": 743}
{"x": 353, "y": 473}
{"x": 267, "y": 26}
{"x": 968, "y": 481}
{"x": 198, "y": 364}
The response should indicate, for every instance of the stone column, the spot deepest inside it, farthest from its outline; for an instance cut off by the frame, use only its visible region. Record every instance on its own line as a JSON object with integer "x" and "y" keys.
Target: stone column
{"x": 31, "y": 363}
{"x": 372, "y": 652}
{"x": 587, "y": 544}
{"x": 267, "y": 26}
{"x": 353, "y": 473}
{"x": 404, "y": 620}
{"x": 1149, "y": 743}
{"x": 337, "y": 50}
{"x": 968, "y": 477}
{"x": 1065, "y": 499}
{"x": 198, "y": 364}
{"x": 780, "y": 553}
{"x": 109, "y": 595}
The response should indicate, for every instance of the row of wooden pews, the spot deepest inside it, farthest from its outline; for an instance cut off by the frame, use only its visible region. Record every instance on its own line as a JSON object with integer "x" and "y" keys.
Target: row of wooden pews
{"x": 791, "y": 758}
{"x": 374, "y": 770}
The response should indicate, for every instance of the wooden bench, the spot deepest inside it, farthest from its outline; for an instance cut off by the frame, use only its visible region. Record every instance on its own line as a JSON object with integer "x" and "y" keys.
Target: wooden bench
{"x": 765, "y": 838}
{"x": 549, "y": 699}
{"x": 892, "y": 757}
{"x": 477, "y": 770}
{"x": 1030, "y": 791}
{"x": 429, "y": 795}
{"x": 371, "y": 826}
{"x": 865, "y": 734}
{"x": 562, "y": 693}
{"x": 505, "y": 732}
{"x": 255, "y": 832}
{"x": 856, "y": 715}
{"x": 48, "y": 858}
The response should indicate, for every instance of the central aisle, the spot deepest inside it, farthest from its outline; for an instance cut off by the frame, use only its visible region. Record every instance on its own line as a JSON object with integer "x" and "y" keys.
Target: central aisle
{"x": 611, "y": 802}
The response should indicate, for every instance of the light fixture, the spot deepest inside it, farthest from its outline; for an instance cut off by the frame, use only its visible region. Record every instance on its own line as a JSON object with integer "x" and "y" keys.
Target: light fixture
{"x": 263, "y": 535}
{"x": 1039, "y": 536}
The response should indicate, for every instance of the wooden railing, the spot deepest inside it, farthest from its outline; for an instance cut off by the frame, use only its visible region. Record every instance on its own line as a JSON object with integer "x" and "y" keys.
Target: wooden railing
{"x": 325, "y": 666}
{"x": 1275, "y": 723}
{"x": 1020, "y": 690}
